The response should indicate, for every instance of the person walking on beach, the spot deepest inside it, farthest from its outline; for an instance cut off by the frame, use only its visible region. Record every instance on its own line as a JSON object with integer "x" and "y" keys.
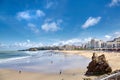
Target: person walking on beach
{"x": 60, "y": 72}
{"x": 19, "y": 72}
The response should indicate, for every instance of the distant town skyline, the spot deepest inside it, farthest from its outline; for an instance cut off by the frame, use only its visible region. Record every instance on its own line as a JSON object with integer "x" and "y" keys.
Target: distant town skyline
{"x": 96, "y": 44}
{"x": 33, "y": 23}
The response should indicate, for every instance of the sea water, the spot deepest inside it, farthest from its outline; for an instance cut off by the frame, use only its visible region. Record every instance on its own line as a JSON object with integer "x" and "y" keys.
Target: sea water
{"x": 41, "y": 61}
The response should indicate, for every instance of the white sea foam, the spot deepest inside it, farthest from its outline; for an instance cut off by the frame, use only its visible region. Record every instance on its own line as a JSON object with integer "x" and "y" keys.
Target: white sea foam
{"x": 32, "y": 52}
{"x": 11, "y": 59}
{"x": 37, "y": 53}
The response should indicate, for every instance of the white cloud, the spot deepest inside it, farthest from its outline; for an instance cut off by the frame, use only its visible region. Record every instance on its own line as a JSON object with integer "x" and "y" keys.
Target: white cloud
{"x": 30, "y": 14}
{"x": 26, "y": 44}
{"x": 23, "y": 15}
{"x": 114, "y": 3}
{"x": 86, "y": 39}
{"x": 20, "y": 45}
{"x": 116, "y": 34}
{"x": 50, "y": 26}
{"x": 72, "y": 41}
{"x": 112, "y": 36}
{"x": 91, "y": 21}
{"x": 28, "y": 41}
{"x": 2, "y": 45}
{"x": 40, "y": 13}
{"x": 75, "y": 41}
{"x": 33, "y": 28}
{"x": 49, "y": 4}
{"x": 108, "y": 36}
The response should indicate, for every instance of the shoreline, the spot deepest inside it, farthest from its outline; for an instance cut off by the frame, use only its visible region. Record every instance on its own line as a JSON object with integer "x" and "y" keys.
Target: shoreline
{"x": 71, "y": 74}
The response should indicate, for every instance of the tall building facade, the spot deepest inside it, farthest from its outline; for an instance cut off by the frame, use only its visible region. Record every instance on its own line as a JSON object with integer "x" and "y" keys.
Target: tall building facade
{"x": 95, "y": 43}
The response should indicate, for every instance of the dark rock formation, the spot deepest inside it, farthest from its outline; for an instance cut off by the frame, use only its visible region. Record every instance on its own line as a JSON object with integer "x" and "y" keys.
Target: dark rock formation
{"x": 98, "y": 65}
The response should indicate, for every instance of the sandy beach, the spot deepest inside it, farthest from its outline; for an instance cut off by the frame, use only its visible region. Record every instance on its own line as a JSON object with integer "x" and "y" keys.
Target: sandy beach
{"x": 113, "y": 58}
{"x": 75, "y": 74}
{"x": 72, "y": 74}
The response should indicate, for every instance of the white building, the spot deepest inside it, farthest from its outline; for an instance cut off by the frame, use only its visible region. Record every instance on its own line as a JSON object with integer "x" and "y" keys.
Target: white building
{"x": 92, "y": 43}
{"x": 114, "y": 43}
{"x": 95, "y": 43}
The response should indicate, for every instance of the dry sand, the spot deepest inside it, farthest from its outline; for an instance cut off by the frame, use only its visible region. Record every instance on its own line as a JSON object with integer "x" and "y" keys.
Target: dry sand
{"x": 75, "y": 74}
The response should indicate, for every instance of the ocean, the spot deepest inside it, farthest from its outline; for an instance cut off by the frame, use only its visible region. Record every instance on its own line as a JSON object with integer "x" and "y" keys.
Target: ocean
{"x": 41, "y": 61}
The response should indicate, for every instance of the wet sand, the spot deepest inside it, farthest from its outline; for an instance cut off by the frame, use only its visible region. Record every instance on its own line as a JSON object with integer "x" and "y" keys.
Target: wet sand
{"x": 76, "y": 74}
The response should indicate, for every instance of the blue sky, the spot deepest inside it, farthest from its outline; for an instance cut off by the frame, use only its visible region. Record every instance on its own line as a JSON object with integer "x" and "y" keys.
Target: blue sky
{"x": 29, "y": 23}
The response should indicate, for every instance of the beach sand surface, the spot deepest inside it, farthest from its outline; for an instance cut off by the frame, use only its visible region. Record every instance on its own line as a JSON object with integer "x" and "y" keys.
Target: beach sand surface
{"x": 76, "y": 74}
